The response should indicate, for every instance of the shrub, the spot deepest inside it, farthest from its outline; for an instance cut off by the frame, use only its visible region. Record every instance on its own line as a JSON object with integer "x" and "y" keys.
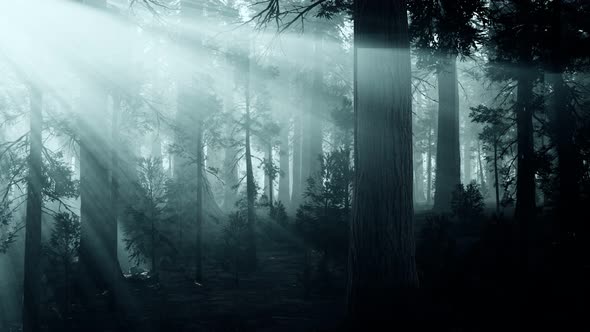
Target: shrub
{"x": 467, "y": 203}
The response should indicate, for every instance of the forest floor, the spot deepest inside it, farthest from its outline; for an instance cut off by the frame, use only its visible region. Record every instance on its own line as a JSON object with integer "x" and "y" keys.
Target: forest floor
{"x": 271, "y": 298}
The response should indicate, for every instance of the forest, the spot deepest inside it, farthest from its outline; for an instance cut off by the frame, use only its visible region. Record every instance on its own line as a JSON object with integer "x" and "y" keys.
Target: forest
{"x": 294, "y": 165}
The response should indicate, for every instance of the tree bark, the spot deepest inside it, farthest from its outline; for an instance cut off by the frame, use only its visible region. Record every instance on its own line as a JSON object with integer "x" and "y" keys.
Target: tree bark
{"x": 448, "y": 158}
{"x": 382, "y": 269}
{"x": 32, "y": 273}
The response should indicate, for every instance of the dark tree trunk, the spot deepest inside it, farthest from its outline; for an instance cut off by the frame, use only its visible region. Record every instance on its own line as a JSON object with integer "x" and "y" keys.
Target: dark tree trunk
{"x": 448, "y": 158}
{"x": 382, "y": 270}
{"x": 284, "y": 183}
{"x": 32, "y": 273}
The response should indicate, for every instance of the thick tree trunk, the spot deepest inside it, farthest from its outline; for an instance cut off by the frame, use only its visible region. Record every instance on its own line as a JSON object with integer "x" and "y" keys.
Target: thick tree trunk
{"x": 448, "y": 159}
{"x": 32, "y": 273}
{"x": 199, "y": 203}
{"x": 284, "y": 183}
{"x": 382, "y": 269}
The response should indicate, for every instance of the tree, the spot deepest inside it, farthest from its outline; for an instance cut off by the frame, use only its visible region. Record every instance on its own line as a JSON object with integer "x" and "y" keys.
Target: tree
{"x": 493, "y": 137}
{"x": 63, "y": 249}
{"x": 381, "y": 287}
{"x": 145, "y": 233}
{"x": 32, "y": 275}
{"x": 443, "y": 30}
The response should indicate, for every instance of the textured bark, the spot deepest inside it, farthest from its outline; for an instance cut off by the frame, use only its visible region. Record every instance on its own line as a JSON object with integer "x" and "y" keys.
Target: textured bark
{"x": 32, "y": 273}
{"x": 284, "y": 183}
{"x": 382, "y": 269}
{"x": 448, "y": 158}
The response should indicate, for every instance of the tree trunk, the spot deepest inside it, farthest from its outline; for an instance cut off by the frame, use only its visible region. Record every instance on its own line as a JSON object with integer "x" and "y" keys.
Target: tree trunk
{"x": 448, "y": 159}
{"x": 32, "y": 273}
{"x": 199, "y": 203}
{"x": 284, "y": 182}
{"x": 381, "y": 287}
